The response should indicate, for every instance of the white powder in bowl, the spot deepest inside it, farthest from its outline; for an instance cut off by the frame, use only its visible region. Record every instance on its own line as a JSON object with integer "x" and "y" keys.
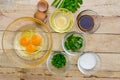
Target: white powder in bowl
{"x": 87, "y": 61}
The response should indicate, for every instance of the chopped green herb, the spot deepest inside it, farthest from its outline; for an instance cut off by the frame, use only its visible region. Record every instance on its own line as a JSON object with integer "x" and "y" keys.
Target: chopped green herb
{"x": 80, "y": 1}
{"x": 71, "y": 5}
{"x": 56, "y": 3}
{"x": 67, "y": 45}
{"x": 73, "y": 43}
{"x": 58, "y": 60}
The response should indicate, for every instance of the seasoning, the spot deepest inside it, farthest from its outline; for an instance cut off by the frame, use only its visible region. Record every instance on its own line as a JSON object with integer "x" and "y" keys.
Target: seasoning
{"x": 87, "y": 61}
{"x": 85, "y": 23}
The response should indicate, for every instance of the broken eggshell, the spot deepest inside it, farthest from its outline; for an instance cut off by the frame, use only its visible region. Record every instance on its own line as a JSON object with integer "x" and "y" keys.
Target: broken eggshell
{"x": 40, "y": 15}
{"x": 42, "y": 6}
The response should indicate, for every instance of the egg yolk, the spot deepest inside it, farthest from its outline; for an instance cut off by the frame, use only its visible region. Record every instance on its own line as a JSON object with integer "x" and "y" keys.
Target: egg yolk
{"x": 24, "y": 41}
{"x": 36, "y": 40}
{"x": 30, "y": 48}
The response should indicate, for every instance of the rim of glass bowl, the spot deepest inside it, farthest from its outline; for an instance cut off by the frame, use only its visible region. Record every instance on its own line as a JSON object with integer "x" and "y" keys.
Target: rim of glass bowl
{"x": 50, "y": 57}
{"x": 63, "y": 11}
{"x": 98, "y": 19}
{"x": 39, "y": 61}
{"x": 71, "y": 52}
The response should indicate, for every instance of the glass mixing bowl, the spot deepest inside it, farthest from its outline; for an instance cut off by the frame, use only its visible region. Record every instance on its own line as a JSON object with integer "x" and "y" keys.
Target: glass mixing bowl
{"x": 15, "y": 53}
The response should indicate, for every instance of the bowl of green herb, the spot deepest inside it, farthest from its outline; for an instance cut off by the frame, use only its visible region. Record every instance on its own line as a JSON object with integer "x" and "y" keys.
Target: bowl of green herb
{"x": 74, "y": 43}
{"x": 58, "y": 63}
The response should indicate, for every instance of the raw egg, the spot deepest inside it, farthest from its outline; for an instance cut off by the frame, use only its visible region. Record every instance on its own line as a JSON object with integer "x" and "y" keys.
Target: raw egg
{"x": 36, "y": 40}
{"x": 30, "y": 48}
{"x": 24, "y": 41}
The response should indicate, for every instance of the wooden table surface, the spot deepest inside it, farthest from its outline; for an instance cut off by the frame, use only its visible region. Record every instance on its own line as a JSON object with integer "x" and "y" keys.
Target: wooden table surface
{"x": 105, "y": 41}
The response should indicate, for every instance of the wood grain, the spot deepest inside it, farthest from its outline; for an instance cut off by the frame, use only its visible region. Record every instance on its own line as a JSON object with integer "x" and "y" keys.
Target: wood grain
{"x": 107, "y": 60}
{"x": 95, "y": 42}
{"x": 109, "y": 24}
{"x": 106, "y": 70}
{"x": 105, "y": 41}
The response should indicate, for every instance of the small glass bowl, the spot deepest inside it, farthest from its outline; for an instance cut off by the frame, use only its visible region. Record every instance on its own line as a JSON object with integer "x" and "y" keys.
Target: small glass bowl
{"x": 95, "y": 17}
{"x": 58, "y": 71}
{"x": 61, "y": 12}
{"x": 78, "y": 52}
{"x": 96, "y": 68}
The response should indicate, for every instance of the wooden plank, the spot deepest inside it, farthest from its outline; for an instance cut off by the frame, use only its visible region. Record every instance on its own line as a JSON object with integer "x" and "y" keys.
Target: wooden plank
{"x": 106, "y": 7}
{"x": 109, "y": 24}
{"x": 4, "y": 61}
{"x": 94, "y": 42}
{"x": 10, "y": 74}
{"x": 101, "y": 74}
{"x": 35, "y": 74}
{"x": 16, "y": 74}
{"x": 111, "y": 21}
{"x": 53, "y": 77}
{"x": 8, "y": 77}
{"x": 105, "y": 71}
{"x": 107, "y": 61}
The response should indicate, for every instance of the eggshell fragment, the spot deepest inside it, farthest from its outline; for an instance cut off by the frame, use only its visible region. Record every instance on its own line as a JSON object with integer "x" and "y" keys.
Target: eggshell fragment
{"x": 42, "y": 6}
{"x": 40, "y": 15}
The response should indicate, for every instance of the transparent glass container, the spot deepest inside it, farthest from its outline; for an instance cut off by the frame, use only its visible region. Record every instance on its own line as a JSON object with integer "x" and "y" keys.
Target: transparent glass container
{"x": 79, "y": 51}
{"x": 66, "y": 15}
{"x": 91, "y": 68}
{"x": 58, "y": 71}
{"x": 94, "y": 16}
